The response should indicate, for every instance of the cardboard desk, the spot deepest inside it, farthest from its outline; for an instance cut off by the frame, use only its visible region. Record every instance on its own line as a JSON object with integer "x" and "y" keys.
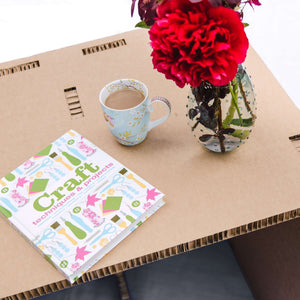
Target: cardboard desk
{"x": 209, "y": 197}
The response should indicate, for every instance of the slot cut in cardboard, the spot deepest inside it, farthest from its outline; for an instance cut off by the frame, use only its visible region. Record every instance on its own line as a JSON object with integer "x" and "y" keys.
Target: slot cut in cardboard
{"x": 20, "y": 68}
{"x": 295, "y": 139}
{"x": 103, "y": 47}
{"x": 73, "y": 103}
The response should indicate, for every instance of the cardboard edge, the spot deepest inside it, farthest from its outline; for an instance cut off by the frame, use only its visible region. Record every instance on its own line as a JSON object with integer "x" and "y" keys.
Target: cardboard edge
{"x": 156, "y": 256}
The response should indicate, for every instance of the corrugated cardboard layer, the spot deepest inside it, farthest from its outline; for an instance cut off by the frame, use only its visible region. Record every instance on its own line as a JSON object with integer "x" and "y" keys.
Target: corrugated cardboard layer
{"x": 188, "y": 246}
{"x": 207, "y": 194}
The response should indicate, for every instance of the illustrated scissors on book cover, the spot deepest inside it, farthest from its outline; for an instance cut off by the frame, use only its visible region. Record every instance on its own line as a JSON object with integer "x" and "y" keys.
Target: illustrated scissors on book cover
{"x": 118, "y": 178}
{"x": 47, "y": 234}
{"x": 108, "y": 228}
{"x": 46, "y": 163}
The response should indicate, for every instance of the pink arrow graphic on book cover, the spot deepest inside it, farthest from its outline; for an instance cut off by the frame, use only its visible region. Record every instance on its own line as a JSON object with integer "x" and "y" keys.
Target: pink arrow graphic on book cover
{"x": 81, "y": 253}
{"x": 21, "y": 181}
{"x": 91, "y": 200}
{"x": 151, "y": 194}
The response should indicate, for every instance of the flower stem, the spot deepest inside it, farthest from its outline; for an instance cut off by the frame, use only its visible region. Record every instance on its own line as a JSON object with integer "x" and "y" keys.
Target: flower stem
{"x": 230, "y": 115}
{"x": 245, "y": 100}
{"x": 232, "y": 108}
{"x": 220, "y": 124}
{"x": 234, "y": 94}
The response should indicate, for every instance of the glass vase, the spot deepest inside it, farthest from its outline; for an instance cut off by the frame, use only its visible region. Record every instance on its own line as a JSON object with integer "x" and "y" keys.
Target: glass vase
{"x": 222, "y": 117}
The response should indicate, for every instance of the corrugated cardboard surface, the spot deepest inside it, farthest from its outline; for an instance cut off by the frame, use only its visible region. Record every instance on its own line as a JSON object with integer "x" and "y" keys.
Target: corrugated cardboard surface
{"x": 270, "y": 260}
{"x": 209, "y": 196}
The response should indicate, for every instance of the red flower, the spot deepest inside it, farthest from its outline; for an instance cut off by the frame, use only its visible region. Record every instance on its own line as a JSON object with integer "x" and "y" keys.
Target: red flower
{"x": 193, "y": 42}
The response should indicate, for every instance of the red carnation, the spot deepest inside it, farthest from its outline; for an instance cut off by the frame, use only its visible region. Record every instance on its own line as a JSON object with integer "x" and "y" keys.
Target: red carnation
{"x": 194, "y": 42}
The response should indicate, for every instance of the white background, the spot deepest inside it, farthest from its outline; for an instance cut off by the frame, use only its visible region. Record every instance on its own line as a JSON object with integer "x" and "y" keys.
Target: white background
{"x": 29, "y": 27}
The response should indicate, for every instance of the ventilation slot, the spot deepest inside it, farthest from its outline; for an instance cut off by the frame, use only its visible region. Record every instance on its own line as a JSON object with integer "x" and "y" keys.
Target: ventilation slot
{"x": 73, "y": 103}
{"x": 295, "y": 139}
{"x": 20, "y": 68}
{"x": 103, "y": 47}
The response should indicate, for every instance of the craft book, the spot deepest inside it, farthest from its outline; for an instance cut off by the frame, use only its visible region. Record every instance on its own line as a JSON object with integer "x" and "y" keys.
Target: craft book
{"x": 74, "y": 202}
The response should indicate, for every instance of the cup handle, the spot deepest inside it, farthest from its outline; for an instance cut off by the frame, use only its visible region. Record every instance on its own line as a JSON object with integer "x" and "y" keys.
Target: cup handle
{"x": 164, "y": 101}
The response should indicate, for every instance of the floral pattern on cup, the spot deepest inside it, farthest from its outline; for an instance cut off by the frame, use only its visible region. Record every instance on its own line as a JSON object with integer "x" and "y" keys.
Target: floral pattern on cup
{"x": 109, "y": 120}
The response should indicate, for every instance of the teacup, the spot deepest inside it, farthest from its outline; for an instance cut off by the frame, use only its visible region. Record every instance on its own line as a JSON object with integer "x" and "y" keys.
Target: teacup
{"x": 127, "y": 107}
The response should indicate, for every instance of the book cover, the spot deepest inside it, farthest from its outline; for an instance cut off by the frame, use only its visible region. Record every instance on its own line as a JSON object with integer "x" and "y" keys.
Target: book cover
{"x": 74, "y": 202}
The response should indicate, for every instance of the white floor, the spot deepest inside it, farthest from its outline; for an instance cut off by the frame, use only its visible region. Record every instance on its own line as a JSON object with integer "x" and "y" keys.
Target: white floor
{"x": 29, "y": 27}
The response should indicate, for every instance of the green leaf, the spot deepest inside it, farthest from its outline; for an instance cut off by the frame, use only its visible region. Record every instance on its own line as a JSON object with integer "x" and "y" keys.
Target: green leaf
{"x": 246, "y": 25}
{"x": 142, "y": 24}
{"x": 245, "y": 122}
